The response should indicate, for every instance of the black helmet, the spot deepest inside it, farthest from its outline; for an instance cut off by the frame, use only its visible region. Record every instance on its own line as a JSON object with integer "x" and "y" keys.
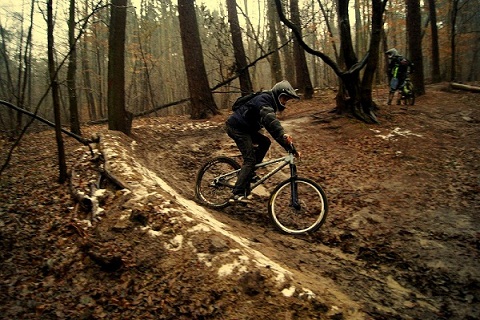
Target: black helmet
{"x": 391, "y": 53}
{"x": 283, "y": 88}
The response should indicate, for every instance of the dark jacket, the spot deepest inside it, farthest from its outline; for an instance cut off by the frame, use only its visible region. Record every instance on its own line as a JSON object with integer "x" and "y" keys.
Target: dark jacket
{"x": 256, "y": 114}
{"x": 398, "y": 68}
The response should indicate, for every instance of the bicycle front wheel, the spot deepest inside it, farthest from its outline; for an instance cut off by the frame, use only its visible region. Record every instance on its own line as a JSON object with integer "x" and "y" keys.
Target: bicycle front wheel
{"x": 215, "y": 181}
{"x": 298, "y": 206}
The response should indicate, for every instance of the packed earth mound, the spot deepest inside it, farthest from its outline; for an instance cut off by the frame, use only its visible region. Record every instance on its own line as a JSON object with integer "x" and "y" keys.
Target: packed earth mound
{"x": 126, "y": 239}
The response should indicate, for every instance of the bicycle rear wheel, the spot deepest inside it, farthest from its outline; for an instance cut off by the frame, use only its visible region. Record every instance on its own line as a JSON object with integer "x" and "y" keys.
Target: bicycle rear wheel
{"x": 215, "y": 181}
{"x": 306, "y": 215}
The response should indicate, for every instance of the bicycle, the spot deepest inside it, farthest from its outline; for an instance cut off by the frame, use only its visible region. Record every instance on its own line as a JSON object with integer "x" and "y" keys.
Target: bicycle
{"x": 407, "y": 93}
{"x": 296, "y": 206}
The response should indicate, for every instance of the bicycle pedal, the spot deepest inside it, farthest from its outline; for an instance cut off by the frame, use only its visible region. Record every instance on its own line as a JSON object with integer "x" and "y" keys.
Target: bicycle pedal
{"x": 241, "y": 200}
{"x": 254, "y": 179}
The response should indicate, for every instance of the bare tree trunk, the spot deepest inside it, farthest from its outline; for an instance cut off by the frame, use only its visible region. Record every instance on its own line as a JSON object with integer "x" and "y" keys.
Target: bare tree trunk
{"x": 99, "y": 57}
{"x": 414, "y": 31}
{"x": 302, "y": 75}
{"x": 238, "y": 49}
{"x": 348, "y": 94}
{"x": 71, "y": 72}
{"x": 288, "y": 61}
{"x": 118, "y": 118}
{"x": 17, "y": 94}
{"x": 24, "y": 68}
{"x": 201, "y": 97}
{"x": 87, "y": 82}
{"x": 100, "y": 80}
{"x": 366, "y": 99}
{"x": 27, "y": 59}
{"x": 436, "y": 77}
{"x": 7, "y": 85}
{"x": 358, "y": 26}
{"x": 330, "y": 31}
{"x": 275, "y": 64}
{"x": 149, "y": 90}
{"x": 473, "y": 74}
{"x": 453, "y": 34}
{"x": 55, "y": 95}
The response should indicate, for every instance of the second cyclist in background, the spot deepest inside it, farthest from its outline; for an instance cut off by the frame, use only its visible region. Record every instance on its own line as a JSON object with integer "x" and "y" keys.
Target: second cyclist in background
{"x": 398, "y": 68}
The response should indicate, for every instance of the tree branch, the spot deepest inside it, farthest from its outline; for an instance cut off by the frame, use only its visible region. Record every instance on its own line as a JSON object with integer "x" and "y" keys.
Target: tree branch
{"x": 218, "y": 85}
{"x": 319, "y": 54}
{"x": 251, "y": 64}
{"x": 297, "y": 34}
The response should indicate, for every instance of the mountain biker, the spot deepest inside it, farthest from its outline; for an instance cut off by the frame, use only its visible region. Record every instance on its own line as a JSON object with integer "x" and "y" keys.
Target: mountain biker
{"x": 397, "y": 73}
{"x": 244, "y": 125}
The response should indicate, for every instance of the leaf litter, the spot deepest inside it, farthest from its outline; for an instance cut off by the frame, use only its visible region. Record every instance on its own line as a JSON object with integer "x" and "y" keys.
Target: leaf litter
{"x": 401, "y": 239}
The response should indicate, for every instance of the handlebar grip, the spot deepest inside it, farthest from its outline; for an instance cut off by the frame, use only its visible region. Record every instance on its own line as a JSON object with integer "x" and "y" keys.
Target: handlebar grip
{"x": 292, "y": 149}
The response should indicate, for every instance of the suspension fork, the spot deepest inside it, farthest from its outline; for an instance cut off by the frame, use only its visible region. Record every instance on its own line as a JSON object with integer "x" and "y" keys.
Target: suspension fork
{"x": 293, "y": 186}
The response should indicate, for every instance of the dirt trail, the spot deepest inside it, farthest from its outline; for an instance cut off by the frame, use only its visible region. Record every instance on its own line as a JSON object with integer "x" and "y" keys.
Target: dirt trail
{"x": 401, "y": 239}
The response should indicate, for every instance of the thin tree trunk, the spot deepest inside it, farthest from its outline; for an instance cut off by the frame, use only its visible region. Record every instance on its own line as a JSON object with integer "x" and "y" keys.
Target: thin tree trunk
{"x": 99, "y": 58}
{"x": 27, "y": 58}
{"x": 150, "y": 92}
{"x": 87, "y": 82}
{"x": 436, "y": 77}
{"x": 238, "y": 49}
{"x": 55, "y": 96}
{"x": 330, "y": 31}
{"x": 17, "y": 93}
{"x": 289, "y": 65}
{"x": 275, "y": 64}
{"x": 7, "y": 85}
{"x": 72, "y": 72}
{"x": 302, "y": 75}
{"x": 358, "y": 26}
{"x": 453, "y": 34}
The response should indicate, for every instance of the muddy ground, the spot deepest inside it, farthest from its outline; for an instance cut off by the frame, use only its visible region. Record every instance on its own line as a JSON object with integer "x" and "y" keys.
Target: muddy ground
{"x": 401, "y": 240}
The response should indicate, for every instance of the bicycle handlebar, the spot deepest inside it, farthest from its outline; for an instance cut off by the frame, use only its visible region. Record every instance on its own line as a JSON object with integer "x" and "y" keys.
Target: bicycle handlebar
{"x": 293, "y": 150}
{"x": 289, "y": 143}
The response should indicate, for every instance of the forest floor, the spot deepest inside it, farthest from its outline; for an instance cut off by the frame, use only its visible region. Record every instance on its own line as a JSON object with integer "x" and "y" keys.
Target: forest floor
{"x": 401, "y": 239}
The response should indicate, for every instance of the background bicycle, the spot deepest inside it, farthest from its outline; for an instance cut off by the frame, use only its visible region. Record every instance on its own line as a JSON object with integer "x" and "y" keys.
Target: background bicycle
{"x": 408, "y": 93}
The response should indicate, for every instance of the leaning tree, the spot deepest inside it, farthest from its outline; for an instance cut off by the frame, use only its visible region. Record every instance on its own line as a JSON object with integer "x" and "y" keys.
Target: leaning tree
{"x": 355, "y": 93}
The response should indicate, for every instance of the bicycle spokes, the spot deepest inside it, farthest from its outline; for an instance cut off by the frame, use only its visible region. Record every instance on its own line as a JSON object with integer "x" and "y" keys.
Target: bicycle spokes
{"x": 215, "y": 181}
{"x": 298, "y": 206}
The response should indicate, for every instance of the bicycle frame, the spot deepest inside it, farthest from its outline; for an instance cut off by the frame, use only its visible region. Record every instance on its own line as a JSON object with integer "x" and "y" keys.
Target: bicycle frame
{"x": 286, "y": 160}
{"x": 406, "y": 83}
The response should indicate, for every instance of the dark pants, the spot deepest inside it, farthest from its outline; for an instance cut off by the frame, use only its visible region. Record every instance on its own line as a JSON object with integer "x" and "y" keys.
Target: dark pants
{"x": 252, "y": 155}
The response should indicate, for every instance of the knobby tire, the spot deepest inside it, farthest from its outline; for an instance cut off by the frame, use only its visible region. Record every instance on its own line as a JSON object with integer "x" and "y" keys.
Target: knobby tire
{"x": 308, "y": 216}
{"x": 210, "y": 193}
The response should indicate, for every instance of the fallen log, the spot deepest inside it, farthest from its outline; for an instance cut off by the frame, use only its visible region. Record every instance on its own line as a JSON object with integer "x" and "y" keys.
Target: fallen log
{"x": 467, "y": 87}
